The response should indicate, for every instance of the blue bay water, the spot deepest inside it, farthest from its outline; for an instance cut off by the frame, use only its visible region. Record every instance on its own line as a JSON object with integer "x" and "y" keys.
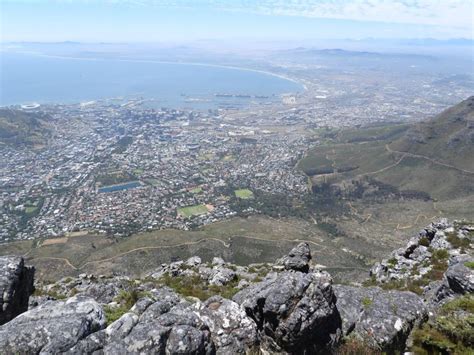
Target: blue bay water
{"x": 28, "y": 78}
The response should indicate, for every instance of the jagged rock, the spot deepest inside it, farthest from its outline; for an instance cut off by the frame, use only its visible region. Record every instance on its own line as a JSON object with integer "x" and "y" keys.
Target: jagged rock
{"x": 193, "y": 261}
{"x": 89, "y": 345}
{"x": 179, "y": 331}
{"x": 116, "y": 330}
{"x": 168, "y": 326}
{"x": 220, "y": 276}
{"x": 457, "y": 280}
{"x": 52, "y": 327}
{"x": 459, "y": 277}
{"x": 16, "y": 286}
{"x": 35, "y": 301}
{"x": 217, "y": 261}
{"x": 383, "y": 319}
{"x": 166, "y": 299}
{"x": 293, "y": 311}
{"x": 232, "y": 331}
{"x": 418, "y": 253}
{"x": 298, "y": 258}
{"x": 439, "y": 241}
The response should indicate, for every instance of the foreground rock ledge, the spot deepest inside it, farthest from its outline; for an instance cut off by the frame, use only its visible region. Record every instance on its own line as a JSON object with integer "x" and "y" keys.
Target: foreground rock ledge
{"x": 288, "y": 307}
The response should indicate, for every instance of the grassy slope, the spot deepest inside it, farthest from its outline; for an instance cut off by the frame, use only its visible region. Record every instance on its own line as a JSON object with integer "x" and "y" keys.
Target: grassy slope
{"x": 23, "y": 128}
{"x": 446, "y": 139}
{"x": 251, "y": 240}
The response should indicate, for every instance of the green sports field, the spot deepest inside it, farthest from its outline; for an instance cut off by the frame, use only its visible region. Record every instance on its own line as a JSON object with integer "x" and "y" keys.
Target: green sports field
{"x": 190, "y": 211}
{"x": 243, "y": 193}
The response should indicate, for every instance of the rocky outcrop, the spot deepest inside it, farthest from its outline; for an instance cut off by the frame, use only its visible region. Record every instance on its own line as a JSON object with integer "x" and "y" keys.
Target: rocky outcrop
{"x": 289, "y": 307}
{"x": 16, "y": 286}
{"x": 459, "y": 276}
{"x": 381, "y": 319}
{"x": 427, "y": 256}
{"x": 52, "y": 327}
{"x": 458, "y": 280}
{"x": 177, "y": 331}
{"x": 298, "y": 259}
{"x": 293, "y": 311}
{"x": 232, "y": 331}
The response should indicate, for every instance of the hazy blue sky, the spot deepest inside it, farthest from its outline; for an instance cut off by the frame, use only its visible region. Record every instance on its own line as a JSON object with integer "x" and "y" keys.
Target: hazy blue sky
{"x": 166, "y": 20}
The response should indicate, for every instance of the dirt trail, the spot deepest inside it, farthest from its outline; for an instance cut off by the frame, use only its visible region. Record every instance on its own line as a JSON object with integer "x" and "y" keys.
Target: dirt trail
{"x": 226, "y": 245}
{"x": 429, "y": 159}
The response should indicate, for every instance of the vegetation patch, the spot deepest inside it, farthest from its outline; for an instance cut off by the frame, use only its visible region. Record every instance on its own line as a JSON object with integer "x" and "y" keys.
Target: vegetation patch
{"x": 355, "y": 346}
{"x": 469, "y": 264}
{"x": 196, "y": 190}
{"x": 451, "y": 332}
{"x": 191, "y": 211}
{"x": 243, "y": 194}
{"x": 125, "y": 299}
{"x": 367, "y": 302}
{"x": 115, "y": 178}
{"x": 457, "y": 242}
{"x": 194, "y": 286}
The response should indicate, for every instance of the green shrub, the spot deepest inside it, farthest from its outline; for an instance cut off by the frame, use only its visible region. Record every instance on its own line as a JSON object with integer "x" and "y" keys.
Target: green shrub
{"x": 367, "y": 302}
{"x": 469, "y": 264}
{"x": 457, "y": 242}
{"x": 370, "y": 282}
{"x": 425, "y": 242}
{"x": 194, "y": 286}
{"x": 440, "y": 254}
{"x": 127, "y": 298}
{"x": 114, "y": 313}
{"x": 451, "y": 332}
{"x": 392, "y": 262}
{"x": 354, "y": 346}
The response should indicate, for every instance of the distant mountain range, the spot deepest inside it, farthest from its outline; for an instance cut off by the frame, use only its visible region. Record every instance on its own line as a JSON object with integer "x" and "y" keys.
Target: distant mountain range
{"x": 338, "y": 52}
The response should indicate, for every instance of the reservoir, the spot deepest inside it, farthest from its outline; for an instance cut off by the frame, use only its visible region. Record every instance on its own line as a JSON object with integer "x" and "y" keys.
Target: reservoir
{"x": 29, "y": 78}
{"x": 120, "y": 187}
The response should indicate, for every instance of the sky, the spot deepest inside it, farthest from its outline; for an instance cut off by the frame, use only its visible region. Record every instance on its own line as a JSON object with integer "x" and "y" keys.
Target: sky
{"x": 192, "y": 20}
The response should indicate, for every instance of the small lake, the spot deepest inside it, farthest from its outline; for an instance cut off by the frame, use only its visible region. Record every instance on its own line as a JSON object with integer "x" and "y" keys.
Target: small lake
{"x": 120, "y": 187}
{"x": 28, "y": 78}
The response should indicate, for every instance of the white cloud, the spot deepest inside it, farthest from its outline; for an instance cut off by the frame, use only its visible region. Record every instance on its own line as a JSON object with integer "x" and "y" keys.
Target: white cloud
{"x": 453, "y": 14}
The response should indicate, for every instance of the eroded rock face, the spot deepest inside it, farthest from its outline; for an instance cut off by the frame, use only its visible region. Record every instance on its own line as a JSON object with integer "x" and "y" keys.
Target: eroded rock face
{"x": 232, "y": 331}
{"x": 52, "y": 327}
{"x": 383, "y": 319}
{"x": 416, "y": 259}
{"x": 458, "y": 280}
{"x": 293, "y": 311}
{"x": 16, "y": 286}
{"x": 460, "y": 277}
{"x": 298, "y": 258}
{"x": 179, "y": 331}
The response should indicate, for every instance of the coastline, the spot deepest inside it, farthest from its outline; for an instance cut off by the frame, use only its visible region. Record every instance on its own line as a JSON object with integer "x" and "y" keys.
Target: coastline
{"x": 230, "y": 67}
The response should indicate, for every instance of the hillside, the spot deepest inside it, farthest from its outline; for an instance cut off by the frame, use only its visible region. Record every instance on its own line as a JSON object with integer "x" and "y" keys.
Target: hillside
{"x": 430, "y": 164}
{"x": 447, "y": 138}
{"x": 20, "y": 128}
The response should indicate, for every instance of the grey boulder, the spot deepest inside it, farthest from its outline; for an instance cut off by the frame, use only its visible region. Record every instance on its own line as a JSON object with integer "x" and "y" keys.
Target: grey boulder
{"x": 293, "y": 311}
{"x": 232, "y": 331}
{"x": 298, "y": 258}
{"x": 383, "y": 319}
{"x": 52, "y": 327}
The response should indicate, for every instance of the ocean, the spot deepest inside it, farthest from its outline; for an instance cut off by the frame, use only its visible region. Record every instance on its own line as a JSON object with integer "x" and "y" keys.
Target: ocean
{"x": 31, "y": 78}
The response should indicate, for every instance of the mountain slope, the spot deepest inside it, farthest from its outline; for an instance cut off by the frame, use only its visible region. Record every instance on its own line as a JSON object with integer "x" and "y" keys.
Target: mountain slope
{"x": 20, "y": 128}
{"x": 448, "y": 137}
